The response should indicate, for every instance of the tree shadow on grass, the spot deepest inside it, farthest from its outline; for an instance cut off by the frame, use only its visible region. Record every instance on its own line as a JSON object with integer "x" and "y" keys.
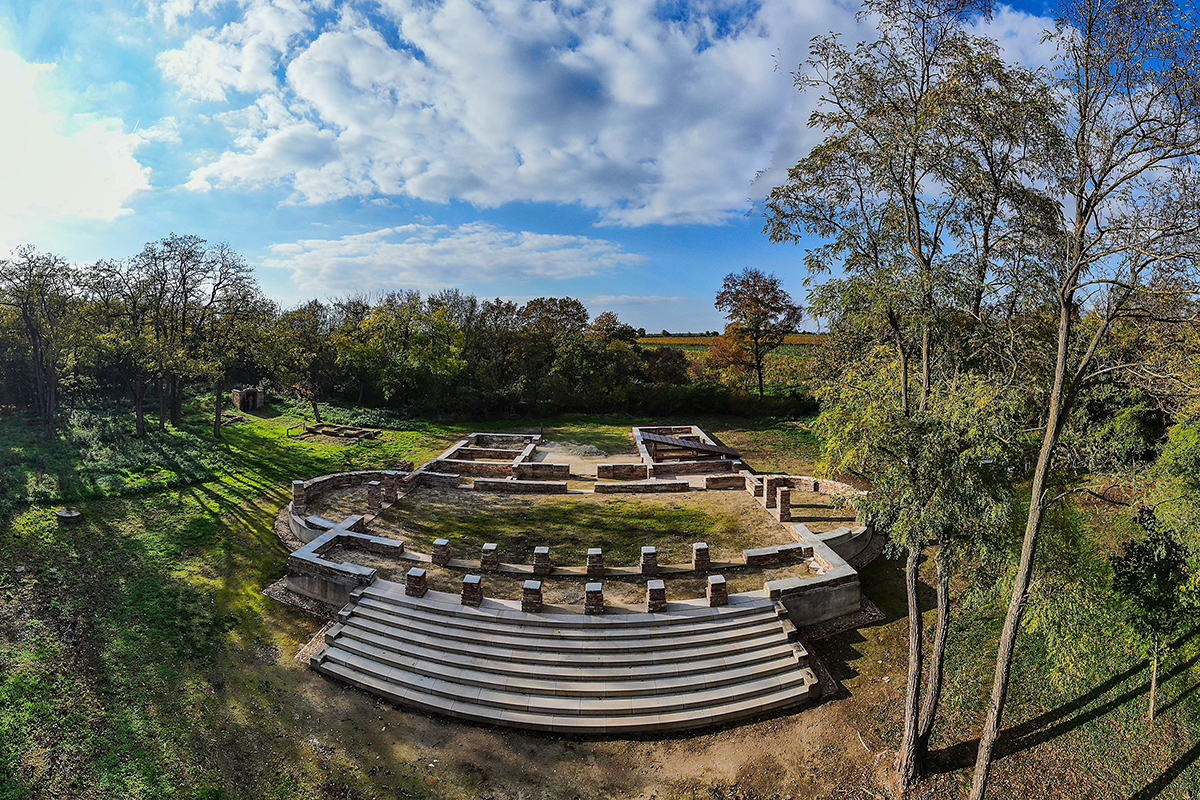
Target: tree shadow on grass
{"x": 1063, "y": 719}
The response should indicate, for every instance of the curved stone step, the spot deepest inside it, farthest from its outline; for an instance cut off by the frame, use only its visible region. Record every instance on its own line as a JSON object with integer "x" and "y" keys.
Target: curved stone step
{"x": 572, "y": 724}
{"x": 532, "y": 651}
{"x": 497, "y": 661}
{"x": 714, "y": 625}
{"x": 696, "y": 609}
{"x": 599, "y": 642}
{"x": 603, "y": 705}
{"x": 631, "y": 682}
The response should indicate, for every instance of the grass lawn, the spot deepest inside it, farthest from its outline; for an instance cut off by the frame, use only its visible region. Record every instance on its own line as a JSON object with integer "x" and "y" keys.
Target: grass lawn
{"x": 138, "y": 657}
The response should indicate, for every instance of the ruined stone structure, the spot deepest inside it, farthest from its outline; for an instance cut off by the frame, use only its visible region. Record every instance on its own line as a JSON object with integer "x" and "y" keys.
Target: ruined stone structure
{"x": 247, "y": 399}
{"x": 682, "y": 662}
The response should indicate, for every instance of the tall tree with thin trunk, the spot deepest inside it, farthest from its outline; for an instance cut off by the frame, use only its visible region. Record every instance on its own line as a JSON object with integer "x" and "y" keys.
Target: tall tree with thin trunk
{"x": 1124, "y": 247}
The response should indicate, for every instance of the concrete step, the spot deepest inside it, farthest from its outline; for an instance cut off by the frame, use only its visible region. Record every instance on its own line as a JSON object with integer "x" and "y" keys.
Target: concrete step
{"x": 603, "y": 705}
{"x": 656, "y": 723}
{"x": 553, "y": 666}
{"x": 549, "y": 641}
{"x": 714, "y": 626}
{"x": 631, "y": 683}
{"x": 449, "y": 604}
{"x": 517, "y": 649}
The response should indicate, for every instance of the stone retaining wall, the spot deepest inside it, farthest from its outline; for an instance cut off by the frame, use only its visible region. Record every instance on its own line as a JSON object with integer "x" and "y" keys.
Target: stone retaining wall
{"x": 669, "y": 468}
{"x": 524, "y": 487}
{"x": 622, "y": 472}
{"x": 543, "y": 470}
{"x": 733, "y": 481}
{"x": 642, "y": 487}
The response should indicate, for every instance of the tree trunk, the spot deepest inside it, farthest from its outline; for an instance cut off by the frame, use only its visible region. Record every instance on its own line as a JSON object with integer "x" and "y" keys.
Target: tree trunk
{"x": 1153, "y": 677}
{"x": 908, "y": 765}
{"x": 1016, "y": 607}
{"x": 933, "y": 685}
{"x": 162, "y": 404}
{"x": 139, "y": 405}
{"x": 176, "y": 403}
{"x": 758, "y": 367}
{"x": 316, "y": 411}
{"x": 217, "y": 398}
{"x": 926, "y": 366}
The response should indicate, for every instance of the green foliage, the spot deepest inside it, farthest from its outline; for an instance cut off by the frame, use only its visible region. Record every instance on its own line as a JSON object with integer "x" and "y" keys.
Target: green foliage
{"x": 937, "y": 475}
{"x": 1181, "y": 455}
{"x": 1152, "y": 577}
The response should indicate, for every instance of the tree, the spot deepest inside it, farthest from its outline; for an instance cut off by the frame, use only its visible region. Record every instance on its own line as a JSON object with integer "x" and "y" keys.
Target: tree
{"x": 1123, "y": 246}
{"x": 308, "y": 357}
{"x": 902, "y": 191}
{"x": 760, "y": 314}
{"x": 39, "y": 287}
{"x": 1151, "y": 577}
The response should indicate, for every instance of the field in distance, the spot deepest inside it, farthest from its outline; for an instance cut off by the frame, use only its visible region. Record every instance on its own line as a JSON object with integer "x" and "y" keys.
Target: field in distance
{"x": 793, "y": 343}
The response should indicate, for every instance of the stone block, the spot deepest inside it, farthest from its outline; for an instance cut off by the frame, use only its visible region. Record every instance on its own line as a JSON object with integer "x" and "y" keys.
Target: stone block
{"x": 593, "y": 598}
{"x": 700, "y": 559}
{"x": 783, "y": 504}
{"x": 595, "y": 562}
{"x": 416, "y": 582}
{"x": 441, "y": 552}
{"x": 374, "y": 496}
{"x": 649, "y": 563}
{"x": 490, "y": 557}
{"x": 472, "y": 590}
{"x": 390, "y": 483}
{"x": 754, "y": 486}
{"x": 531, "y": 597}
{"x": 541, "y": 561}
{"x": 656, "y": 596}
{"x": 299, "y": 495}
{"x": 718, "y": 592}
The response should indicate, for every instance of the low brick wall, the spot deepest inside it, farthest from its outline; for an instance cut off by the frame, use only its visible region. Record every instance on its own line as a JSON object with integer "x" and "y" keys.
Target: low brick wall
{"x": 475, "y": 469}
{"x": 642, "y": 487}
{"x": 543, "y": 471}
{"x": 762, "y": 556}
{"x": 731, "y": 481}
{"x": 438, "y": 480}
{"x": 472, "y": 453}
{"x": 520, "y": 487}
{"x": 691, "y": 467}
{"x": 622, "y": 472}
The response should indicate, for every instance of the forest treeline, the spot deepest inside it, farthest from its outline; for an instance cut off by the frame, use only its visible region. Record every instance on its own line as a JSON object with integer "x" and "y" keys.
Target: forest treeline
{"x": 185, "y": 316}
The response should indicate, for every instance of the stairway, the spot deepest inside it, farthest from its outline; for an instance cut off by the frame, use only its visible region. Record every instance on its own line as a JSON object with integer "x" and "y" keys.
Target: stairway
{"x": 616, "y": 673}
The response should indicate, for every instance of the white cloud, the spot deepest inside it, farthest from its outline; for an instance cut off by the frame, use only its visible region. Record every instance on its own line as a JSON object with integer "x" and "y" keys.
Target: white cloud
{"x": 57, "y": 167}
{"x": 241, "y": 56}
{"x": 606, "y": 104}
{"x": 421, "y": 256}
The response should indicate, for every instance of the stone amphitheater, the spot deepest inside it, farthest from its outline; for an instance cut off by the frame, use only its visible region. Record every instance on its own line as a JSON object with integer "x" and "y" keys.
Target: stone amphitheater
{"x": 594, "y": 667}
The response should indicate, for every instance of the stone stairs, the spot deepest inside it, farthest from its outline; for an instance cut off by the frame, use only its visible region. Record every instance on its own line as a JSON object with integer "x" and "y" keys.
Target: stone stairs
{"x": 622, "y": 672}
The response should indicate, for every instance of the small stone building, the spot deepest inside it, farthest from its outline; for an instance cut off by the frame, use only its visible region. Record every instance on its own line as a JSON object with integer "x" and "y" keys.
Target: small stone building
{"x": 248, "y": 399}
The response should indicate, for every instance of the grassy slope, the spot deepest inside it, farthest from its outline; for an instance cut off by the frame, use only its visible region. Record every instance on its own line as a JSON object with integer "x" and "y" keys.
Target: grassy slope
{"x": 139, "y": 659}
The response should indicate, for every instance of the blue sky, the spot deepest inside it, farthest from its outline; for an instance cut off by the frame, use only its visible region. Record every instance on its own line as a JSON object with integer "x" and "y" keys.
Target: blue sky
{"x": 513, "y": 148}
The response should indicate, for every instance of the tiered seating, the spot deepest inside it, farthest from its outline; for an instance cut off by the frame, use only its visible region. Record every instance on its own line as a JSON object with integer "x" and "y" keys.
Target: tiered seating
{"x": 617, "y": 673}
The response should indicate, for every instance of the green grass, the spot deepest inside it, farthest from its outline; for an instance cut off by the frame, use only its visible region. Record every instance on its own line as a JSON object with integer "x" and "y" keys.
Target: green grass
{"x": 138, "y": 657}
{"x": 620, "y": 527}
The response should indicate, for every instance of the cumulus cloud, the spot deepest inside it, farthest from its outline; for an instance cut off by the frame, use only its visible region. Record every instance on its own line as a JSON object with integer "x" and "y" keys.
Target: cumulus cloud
{"x": 648, "y": 112}
{"x": 645, "y": 110}
{"x": 58, "y": 167}
{"x": 424, "y": 256}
